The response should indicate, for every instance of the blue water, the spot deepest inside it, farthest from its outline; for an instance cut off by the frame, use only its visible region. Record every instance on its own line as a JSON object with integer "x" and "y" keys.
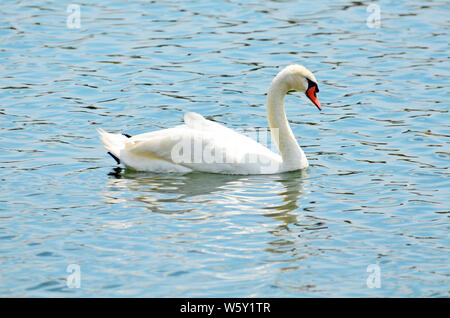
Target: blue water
{"x": 377, "y": 191}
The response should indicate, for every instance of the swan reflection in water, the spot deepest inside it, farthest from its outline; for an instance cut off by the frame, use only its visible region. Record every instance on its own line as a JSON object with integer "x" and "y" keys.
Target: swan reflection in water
{"x": 273, "y": 196}
{"x": 204, "y": 197}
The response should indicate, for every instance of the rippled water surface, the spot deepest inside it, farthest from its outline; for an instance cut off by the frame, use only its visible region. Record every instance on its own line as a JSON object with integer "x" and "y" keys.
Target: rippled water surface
{"x": 377, "y": 191}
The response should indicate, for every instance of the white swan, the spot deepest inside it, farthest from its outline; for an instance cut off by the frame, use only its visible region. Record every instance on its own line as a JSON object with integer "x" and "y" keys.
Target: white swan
{"x": 204, "y": 145}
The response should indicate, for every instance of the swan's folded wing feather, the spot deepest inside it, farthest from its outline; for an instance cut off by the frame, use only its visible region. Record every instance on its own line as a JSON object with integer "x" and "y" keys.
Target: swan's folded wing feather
{"x": 202, "y": 146}
{"x": 181, "y": 145}
{"x": 159, "y": 144}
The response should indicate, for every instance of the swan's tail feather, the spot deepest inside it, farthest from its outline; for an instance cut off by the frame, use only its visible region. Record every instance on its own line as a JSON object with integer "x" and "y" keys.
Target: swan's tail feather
{"x": 114, "y": 143}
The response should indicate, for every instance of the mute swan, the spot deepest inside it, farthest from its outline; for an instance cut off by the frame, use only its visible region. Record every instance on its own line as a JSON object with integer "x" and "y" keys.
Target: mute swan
{"x": 204, "y": 145}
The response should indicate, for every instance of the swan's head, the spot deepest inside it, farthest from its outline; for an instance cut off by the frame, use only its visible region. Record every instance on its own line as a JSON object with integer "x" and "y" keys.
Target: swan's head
{"x": 300, "y": 79}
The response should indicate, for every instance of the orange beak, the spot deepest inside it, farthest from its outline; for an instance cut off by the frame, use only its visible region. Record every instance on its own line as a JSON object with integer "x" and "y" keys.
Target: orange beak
{"x": 311, "y": 94}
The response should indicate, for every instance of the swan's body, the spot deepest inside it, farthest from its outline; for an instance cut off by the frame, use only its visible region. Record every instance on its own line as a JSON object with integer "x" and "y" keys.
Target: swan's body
{"x": 204, "y": 145}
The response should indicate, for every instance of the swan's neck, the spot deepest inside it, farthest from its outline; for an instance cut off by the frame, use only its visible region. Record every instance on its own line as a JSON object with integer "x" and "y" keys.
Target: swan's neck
{"x": 291, "y": 153}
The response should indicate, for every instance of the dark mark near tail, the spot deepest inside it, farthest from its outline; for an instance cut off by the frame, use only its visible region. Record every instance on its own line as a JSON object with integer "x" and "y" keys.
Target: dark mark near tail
{"x": 114, "y": 157}
{"x": 126, "y": 135}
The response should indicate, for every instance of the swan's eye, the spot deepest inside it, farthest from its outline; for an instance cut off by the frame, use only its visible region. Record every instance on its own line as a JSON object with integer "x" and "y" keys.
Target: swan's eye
{"x": 313, "y": 84}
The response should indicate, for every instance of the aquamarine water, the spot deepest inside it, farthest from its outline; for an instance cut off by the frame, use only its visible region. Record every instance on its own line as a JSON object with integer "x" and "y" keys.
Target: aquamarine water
{"x": 377, "y": 191}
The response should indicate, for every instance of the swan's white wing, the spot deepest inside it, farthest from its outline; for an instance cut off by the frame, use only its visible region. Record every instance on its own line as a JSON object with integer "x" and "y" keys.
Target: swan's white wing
{"x": 202, "y": 145}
